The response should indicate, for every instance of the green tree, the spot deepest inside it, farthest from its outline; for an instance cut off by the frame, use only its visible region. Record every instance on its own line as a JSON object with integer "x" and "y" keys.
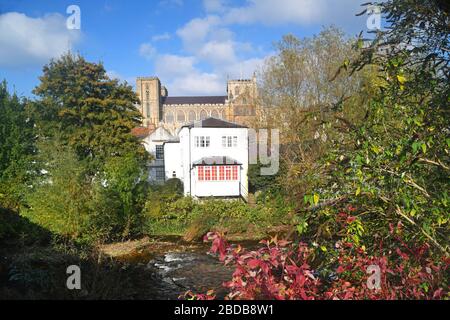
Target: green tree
{"x": 93, "y": 113}
{"x": 16, "y": 148}
{"x": 395, "y": 168}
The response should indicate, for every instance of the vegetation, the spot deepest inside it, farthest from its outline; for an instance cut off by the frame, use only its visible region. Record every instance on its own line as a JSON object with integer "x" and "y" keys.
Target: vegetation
{"x": 363, "y": 180}
{"x": 368, "y": 167}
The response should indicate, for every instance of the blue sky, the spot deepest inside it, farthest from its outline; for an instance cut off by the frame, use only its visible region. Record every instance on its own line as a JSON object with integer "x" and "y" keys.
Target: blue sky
{"x": 192, "y": 45}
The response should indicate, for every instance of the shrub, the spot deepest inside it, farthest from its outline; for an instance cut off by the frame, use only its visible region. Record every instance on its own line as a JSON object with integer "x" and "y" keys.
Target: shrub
{"x": 281, "y": 270}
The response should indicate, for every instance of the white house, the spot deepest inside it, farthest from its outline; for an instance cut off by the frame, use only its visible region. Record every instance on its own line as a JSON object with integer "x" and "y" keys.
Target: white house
{"x": 154, "y": 144}
{"x": 210, "y": 157}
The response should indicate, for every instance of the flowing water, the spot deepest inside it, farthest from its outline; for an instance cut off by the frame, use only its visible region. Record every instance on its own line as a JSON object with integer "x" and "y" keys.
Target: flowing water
{"x": 177, "y": 267}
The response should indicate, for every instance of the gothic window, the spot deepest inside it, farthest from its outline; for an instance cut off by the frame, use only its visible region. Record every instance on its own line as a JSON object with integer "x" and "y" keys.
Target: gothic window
{"x": 192, "y": 116}
{"x": 169, "y": 117}
{"x": 236, "y": 91}
{"x": 147, "y": 95}
{"x": 180, "y": 116}
{"x": 215, "y": 114}
{"x": 203, "y": 115}
{"x": 147, "y": 108}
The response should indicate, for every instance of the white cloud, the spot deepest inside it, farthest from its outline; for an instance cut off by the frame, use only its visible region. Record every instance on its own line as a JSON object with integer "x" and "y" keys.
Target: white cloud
{"x": 210, "y": 43}
{"x": 300, "y": 12}
{"x": 279, "y": 11}
{"x": 214, "y": 5}
{"x": 170, "y": 65}
{"x": 26, "y": 41}
{"x": 196, "y": 31}
{"x": 198, "y": 84}
{"x": 147, "y": 51}
{"x": 217, "y": 52}
{"x": 163, "y": 36}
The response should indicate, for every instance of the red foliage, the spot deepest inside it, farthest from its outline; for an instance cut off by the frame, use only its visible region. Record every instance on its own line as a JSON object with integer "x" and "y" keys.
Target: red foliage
{"x": 280, "y": 270}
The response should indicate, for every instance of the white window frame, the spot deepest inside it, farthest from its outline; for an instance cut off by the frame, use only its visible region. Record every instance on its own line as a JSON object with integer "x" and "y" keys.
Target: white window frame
{"x": 202, "y": 141}
{"x": 229, "y": 141}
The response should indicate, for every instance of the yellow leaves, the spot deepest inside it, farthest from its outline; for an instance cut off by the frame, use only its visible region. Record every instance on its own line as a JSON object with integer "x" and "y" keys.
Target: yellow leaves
{"x": 401, "y": 80}
{"x": 316, "y": 198}
{"x": 376, "y": 149}
{"x": 358, "y": 191}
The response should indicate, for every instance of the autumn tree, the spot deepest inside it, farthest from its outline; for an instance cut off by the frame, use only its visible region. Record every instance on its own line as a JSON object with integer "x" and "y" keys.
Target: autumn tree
{"x": 299, "y": 98}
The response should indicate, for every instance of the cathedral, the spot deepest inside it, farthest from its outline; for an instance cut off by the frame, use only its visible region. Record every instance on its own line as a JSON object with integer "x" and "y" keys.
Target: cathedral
{"x": 159, "y": 109}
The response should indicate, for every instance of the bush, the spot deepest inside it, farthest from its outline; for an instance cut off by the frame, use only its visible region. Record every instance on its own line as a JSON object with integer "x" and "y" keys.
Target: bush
{"x": 282, "y": 270}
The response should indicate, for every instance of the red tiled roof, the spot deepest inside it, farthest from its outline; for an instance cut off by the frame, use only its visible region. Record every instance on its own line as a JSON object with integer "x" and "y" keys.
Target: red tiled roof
{"x": 142, "y": 132}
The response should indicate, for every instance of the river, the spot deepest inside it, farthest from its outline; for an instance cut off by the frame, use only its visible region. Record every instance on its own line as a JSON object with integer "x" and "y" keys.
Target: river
{"x": 177, "y": 267}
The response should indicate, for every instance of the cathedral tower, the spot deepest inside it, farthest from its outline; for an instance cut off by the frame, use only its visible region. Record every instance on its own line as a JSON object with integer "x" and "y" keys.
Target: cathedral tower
{"x": 149, "y": 92}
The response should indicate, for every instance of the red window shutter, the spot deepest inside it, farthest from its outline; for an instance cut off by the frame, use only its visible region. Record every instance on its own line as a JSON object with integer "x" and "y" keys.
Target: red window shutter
{"x": 207, "y": 173}
{"x": 221, "y": 173}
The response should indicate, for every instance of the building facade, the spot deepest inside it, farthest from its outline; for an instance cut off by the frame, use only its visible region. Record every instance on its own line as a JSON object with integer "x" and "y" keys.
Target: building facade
{"x": 210, "y": 157}
{"x": 161, "y": 110}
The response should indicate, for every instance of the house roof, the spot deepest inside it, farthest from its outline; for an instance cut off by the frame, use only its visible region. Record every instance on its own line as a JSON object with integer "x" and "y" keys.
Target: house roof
{"x": 213, "y": 123}
{"x": 142, "y": 132}
{"x": 216, "y": 160}
{"x": 195, "y": 100}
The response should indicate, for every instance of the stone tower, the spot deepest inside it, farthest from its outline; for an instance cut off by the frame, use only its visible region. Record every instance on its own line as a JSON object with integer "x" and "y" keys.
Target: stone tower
{"x": 149, "y": 91}
{"x": 242, "y": 95}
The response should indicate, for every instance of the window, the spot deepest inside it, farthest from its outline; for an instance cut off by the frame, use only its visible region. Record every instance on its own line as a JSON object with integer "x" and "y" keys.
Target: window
{"x": 218, "y": 173}
{"x": 214, "y": 173}
{"x": 201, "y": 175}
{"x": 159, "y": 152}
{"x": 160, "y": 174}
{"x": 229, "y": 141}
{"x": 207, "y": 173}
{"x": 180, "y": 116}
{"x": 202, "y": 142}
{"x": 235, "y": 173}
{"x": 203, "y": 115}
{"x": 227, "y": 173}
{"x": 169, "y": 117}
{"x": 192, "y": 116}
{"x": 215, "y": 114}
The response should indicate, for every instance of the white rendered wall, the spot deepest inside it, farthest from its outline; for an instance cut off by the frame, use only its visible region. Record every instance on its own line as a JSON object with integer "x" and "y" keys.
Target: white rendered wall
{"x": 172, "y": 160}
{"x": 238, "y": 153}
